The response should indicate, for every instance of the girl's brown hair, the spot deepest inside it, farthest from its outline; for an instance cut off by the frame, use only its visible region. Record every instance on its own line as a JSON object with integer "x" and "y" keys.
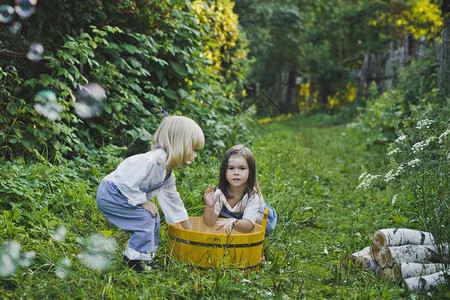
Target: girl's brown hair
{"x": 252, "y": 184}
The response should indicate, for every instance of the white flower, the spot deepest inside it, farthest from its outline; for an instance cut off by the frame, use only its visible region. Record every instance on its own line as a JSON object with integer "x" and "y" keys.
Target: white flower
{"x": 368, "y": 178}
{"x": 413, "y": 162}
{"x": 424, "y": 123}
{"x": 419, "y": 146}
{"x": 401, "y": 138}
{"x": 394, "y": 199}
{"x": 390, "y": 175}
{"x": 443, "y": 135}
{"x": 362, "y": 175}
{"x": 396, "y": 150}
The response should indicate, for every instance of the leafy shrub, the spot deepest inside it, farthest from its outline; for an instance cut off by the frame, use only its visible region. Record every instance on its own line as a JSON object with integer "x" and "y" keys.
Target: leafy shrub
{"x": 151, "y": 57}
{"x": 412, "y": 120}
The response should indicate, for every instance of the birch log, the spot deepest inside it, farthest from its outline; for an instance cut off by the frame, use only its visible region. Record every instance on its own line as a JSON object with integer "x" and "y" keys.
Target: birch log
{"x": 423, "y": 283}
{"x": 366, "y": 263}
{"x": 363, "y": 259}
{"x": 374, "y": 253}
{"x": 385, "y": 273}
{"x": 363, "y": 252}
{"x": 407, "y": 253}
{"x": 401, "y": 236}
{"x": 406, "y": 270}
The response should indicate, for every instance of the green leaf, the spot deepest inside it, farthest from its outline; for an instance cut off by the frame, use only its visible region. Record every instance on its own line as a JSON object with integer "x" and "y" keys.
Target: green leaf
{"x": 45, "y": 79}
{"x": 183, "y": 94}
{"x": 171, "y": 94}
{"x": 130, "y": 48}
{"x": 179, "y": 69}
{"x": 106, "y": 232}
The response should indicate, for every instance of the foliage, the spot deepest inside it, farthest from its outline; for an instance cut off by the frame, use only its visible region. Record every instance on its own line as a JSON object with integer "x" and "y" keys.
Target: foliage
{"x": 326, "y": 43}
{"x": 412, "y": 124}
{"x": 421, "y": 18}
{"x": 328, "y": 37}
{"x": 151, "y": 57}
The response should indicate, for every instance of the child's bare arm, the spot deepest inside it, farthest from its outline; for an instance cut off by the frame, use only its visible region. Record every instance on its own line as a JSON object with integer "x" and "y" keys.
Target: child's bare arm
{"x": 242, "y": 225}
{"x": 186, "y": 224}
{"x": 209, "y": 216}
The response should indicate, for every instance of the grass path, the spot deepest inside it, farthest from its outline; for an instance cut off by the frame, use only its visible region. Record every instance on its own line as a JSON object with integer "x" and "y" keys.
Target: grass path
{"x": 309, "y": 171}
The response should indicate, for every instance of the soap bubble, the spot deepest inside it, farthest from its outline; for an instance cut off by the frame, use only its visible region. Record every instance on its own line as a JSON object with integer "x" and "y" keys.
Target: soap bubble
{"x": 60, "y": 234}
{"x": 97, "y": 251}
{"x": 47, "y": 106}
{"x": 12, "y": 257}
{"x": 15, "y": 27}
{"x": 95, "y": 261}
{"x": 25, "y": 8}
{"x": 63, "y": 269}
{"x": 89, "y": 101}
{"x": 100, "y": 243}
{"x": 35, "y": 52}
{"x": 7, "y": 266}
{"x": 6, "y": 13}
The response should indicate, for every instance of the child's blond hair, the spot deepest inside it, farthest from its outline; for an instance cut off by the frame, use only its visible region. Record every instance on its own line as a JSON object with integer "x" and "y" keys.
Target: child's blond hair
{"x": 179, "y": 137}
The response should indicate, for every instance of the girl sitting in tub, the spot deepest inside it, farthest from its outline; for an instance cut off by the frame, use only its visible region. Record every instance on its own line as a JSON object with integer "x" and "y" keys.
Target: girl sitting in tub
{"x": 237, "y": 196}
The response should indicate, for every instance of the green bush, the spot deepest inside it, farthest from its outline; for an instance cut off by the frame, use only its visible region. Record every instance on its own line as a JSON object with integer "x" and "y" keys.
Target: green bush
{"x": 151, "y": 57}
{"x": 412, "y": 122}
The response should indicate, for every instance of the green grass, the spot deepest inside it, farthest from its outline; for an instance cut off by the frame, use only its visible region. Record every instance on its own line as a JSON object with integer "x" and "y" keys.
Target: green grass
{"x": 308, "y": 169}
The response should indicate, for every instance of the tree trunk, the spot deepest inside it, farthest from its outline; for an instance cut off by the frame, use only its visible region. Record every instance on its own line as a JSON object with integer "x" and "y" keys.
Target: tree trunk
{"x": 407, "y": 253}
{"x": 444, "y": 65}
{"x": 281, "y": 90}
{"x": 405, "y": 270}
{"x": 401, "y": 236}
{"x": 364, "y": 74}
{"x": 291, "y": 91}
{"x": 322, "y": 97}
{"x": 312, "y": 84}
{"x": 423, "y": 283}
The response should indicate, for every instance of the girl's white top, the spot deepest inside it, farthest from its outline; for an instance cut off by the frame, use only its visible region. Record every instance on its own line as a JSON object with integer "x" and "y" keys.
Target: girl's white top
{"x": 248, "y": 206}
{"x": 146, "y": 170}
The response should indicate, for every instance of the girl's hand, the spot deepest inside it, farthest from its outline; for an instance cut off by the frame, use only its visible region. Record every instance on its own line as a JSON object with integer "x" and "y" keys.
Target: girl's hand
{"x": 151, "y": 208}
{"x": 209, "y": 197}
{"x": 226, "y": 224}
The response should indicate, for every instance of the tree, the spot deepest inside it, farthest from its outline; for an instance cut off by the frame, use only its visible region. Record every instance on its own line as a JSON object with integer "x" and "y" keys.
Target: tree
{"x": 319, "y": 40}
{"x": 444, "y": 67}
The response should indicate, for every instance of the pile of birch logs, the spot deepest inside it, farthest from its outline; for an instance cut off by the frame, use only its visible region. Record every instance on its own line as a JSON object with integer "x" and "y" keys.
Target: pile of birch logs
{"x": 405, "y": 256}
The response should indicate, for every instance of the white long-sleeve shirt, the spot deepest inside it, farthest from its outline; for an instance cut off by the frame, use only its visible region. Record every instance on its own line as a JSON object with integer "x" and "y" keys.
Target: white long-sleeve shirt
{"x": 248, "y": 206}
{"x": 142, "y": 171}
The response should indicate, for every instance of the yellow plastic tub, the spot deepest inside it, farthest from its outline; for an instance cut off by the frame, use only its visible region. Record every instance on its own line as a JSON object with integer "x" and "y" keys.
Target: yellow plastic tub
{"x": 206, "y": 248}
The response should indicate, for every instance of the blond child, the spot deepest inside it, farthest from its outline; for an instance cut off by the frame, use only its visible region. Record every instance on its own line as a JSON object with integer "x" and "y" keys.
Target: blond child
{"x": 123, "y": 196}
